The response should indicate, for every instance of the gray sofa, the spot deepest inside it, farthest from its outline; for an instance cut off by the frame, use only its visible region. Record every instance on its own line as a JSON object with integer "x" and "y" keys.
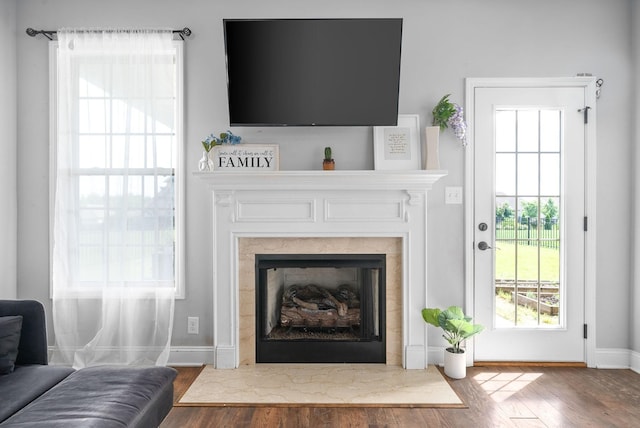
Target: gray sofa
{"x": 35, "y": 394}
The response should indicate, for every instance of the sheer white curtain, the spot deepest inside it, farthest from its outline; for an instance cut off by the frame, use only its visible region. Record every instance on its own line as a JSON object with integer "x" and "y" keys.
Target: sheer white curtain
{"x": 113, "y": 231}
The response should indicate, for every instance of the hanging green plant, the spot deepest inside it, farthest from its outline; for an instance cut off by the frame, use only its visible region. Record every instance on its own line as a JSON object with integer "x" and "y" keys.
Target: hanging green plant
{"x": 447, "y": 114}
{"x": 442, "y": 112}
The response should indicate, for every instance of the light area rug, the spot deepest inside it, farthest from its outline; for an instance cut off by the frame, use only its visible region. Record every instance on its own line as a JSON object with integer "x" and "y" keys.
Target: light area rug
{"x": 321, "y": 385}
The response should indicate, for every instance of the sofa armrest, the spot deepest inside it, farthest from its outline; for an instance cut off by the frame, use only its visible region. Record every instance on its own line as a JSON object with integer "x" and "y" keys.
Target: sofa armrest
{"x": 33, "y": 337}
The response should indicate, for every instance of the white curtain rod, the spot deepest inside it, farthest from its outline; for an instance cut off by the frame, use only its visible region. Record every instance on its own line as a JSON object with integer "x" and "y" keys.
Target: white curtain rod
{"x": 185, "y": 32}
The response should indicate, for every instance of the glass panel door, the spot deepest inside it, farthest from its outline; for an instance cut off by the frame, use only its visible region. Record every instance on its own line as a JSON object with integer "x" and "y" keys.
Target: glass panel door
{"x": 529, "y": 209}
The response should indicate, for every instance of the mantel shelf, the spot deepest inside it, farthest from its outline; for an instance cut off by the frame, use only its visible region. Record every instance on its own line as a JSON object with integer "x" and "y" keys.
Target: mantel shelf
{"x": 322, "y": 180}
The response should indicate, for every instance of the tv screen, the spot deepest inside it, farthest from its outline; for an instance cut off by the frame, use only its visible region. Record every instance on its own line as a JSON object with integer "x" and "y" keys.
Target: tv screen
{"x": 306, "y": 72}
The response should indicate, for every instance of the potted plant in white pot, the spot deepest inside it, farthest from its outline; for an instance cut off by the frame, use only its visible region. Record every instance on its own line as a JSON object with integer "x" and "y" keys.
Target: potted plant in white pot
{"x": 457, "y": 327}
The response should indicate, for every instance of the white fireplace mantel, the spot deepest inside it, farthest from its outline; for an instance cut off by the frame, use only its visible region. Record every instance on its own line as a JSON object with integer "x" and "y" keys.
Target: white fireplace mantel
{"x": 316, "y": 180}
{"x": 319, "y": 204}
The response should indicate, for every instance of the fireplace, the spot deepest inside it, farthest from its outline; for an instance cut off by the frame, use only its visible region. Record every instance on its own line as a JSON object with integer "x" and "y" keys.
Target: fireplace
{"x": 285, "y": 209}
{"x": 320, "y": 308}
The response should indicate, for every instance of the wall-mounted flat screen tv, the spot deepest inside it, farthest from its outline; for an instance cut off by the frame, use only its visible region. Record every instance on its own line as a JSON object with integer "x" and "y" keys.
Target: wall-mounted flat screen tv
{"x": 313, "y": 72}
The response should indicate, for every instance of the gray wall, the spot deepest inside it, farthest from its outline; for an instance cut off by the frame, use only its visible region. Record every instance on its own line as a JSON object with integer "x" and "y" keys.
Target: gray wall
{"x": 444, "y": 42}
{"x": 634, "y": 301}
{"x": 8, "y": 147}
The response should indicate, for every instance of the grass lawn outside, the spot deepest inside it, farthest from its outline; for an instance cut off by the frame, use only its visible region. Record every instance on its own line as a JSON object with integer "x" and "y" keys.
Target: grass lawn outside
{"x": 530, "y": 259}
{"x": 505, "y": 255}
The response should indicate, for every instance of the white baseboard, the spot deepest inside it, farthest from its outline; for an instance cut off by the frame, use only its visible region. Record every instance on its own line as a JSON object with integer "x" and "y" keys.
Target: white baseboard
{"x": 414, "y": 357}
{"x": 606, "y": 358}
{"x": 182, "y": 355}
{"x": 635, "y": 361}
{"x": 613, "y": 358}
{"x": 191, "y": 355}
{"x": 435, "y": 355}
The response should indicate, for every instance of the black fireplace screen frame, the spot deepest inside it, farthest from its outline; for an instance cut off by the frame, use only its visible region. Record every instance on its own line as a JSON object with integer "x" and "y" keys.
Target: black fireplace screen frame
{"x": 368, "y": 348}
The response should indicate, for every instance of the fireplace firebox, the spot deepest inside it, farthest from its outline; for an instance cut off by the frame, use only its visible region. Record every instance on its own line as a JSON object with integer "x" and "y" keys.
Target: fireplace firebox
{"x": 320, "y": 308}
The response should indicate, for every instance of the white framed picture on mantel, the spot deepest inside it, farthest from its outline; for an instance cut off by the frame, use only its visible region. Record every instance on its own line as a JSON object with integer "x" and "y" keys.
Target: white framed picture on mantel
{"x": 398, "y": 147}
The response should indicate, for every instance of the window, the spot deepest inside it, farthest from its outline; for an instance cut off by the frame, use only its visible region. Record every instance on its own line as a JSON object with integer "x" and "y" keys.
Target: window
{"x": 123, "y": 171}
{"x": 528, "y": 168}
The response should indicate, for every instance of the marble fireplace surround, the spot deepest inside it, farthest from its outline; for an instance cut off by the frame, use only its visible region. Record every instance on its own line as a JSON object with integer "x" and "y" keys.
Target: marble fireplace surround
{"x": 319, "y": 212}
{"x": 391, "y": 247}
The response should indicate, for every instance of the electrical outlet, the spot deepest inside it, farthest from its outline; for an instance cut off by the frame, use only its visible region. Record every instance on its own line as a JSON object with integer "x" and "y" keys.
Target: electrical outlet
{"x": 453, "y": 195}
{"x": 193, "y": 324}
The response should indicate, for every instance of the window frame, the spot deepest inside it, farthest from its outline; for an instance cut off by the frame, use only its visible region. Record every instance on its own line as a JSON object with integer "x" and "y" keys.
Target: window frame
{"x": 178, "y": 173}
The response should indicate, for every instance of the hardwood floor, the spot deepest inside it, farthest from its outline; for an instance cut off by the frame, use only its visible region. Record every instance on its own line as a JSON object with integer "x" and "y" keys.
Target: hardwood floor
{"x": 497, "y": 396}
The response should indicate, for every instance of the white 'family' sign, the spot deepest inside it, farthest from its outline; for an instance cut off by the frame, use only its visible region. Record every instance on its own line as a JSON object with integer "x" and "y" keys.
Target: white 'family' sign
{"x": 246, "y": 157}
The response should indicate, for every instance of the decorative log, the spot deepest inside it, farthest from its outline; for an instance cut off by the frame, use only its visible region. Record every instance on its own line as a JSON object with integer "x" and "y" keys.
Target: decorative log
{"x": 300, "y": 317}
{"x": 341, "y": 307}
{"x": 314, "y": 306}
{"x": 303, "y": 304}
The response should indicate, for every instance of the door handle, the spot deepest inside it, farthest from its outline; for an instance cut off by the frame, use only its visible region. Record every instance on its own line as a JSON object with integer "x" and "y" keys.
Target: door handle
{"x": 483, "y": 246}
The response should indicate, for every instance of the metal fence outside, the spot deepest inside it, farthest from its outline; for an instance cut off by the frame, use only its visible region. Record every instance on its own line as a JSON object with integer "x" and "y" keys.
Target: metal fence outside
{"x": 529, "y": 231}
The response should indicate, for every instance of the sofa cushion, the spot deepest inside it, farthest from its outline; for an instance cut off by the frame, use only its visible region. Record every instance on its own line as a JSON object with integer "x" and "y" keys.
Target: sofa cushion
{"x": 10, "y": 328}
{"x": 33, "y": 337}
{"x": 106, "y": 396}
{"x": 27, "y": 383}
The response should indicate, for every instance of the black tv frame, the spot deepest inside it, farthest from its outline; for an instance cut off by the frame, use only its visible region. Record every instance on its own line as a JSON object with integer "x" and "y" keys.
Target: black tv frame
{"x": 232, "y": 97}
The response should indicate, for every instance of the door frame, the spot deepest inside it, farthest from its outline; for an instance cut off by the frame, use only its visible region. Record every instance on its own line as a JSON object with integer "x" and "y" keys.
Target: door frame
{"x": 471, "y": 84}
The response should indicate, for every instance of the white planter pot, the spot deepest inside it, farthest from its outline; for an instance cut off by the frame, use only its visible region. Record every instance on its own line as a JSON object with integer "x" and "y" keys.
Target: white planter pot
{"x": 430, "y": 154}
{"x": 455, "y": 365}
